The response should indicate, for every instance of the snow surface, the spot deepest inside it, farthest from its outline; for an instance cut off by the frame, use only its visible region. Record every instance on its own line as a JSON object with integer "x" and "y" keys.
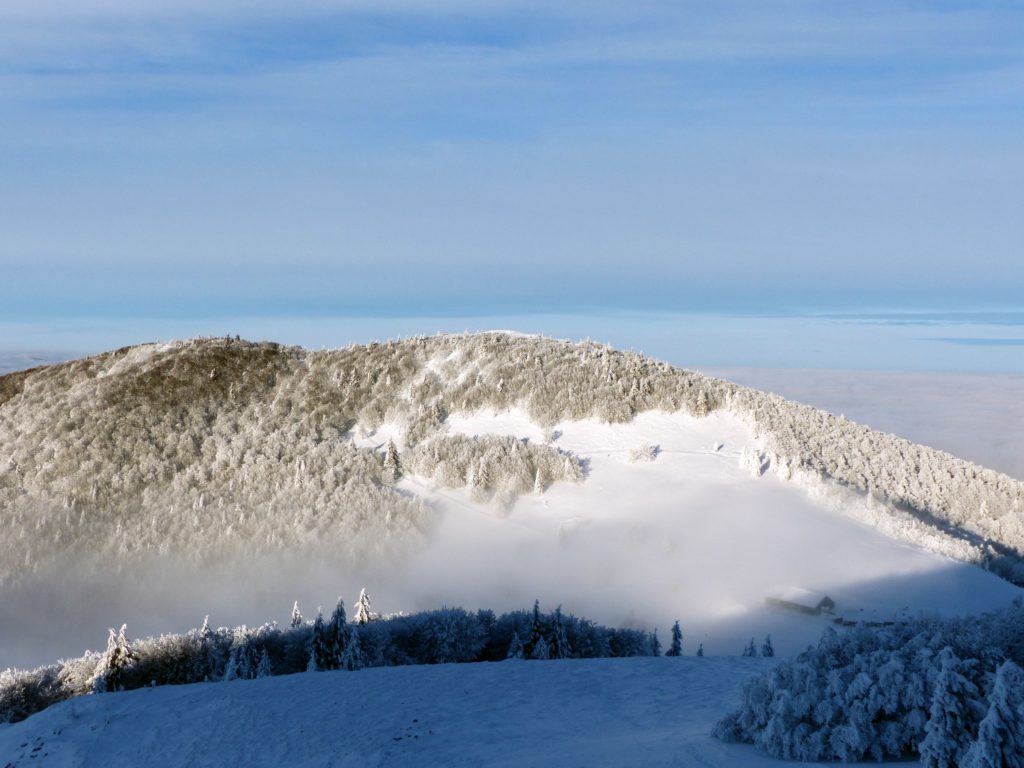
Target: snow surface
{"x": 593, "y": 713}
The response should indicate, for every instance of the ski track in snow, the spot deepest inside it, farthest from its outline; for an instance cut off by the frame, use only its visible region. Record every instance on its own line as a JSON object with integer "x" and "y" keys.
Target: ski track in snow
{"x": 596, "y": 713}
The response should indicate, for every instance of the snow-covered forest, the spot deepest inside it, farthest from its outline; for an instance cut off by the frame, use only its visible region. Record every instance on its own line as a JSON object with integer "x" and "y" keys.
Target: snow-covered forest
{"x": 216, "y": 448}
{"x": 949, "y": 691}
{"x": 331, "y": 642}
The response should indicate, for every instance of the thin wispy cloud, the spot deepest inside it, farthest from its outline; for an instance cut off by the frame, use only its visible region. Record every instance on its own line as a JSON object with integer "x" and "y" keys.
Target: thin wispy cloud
{"x": 508, "y": 155}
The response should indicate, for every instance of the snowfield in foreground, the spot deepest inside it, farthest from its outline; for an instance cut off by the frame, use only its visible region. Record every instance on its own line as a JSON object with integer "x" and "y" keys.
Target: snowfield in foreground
{"x": 593, "y": 713}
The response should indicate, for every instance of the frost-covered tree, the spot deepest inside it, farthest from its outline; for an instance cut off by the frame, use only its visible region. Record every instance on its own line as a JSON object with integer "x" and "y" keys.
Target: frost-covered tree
{"x": 338, "y": 632}
{"x": 352, "y": 658}
{"x": 750, "y": 650}
{"x": 364, "y": 612}
{"x": 767, "y": 650}
{"x": 700, "y": 650}
{"x": 322, "y": 651}
{"x": 392, "y": 463}
{"x": 296, "y": 615}
{"x": 676, "y": 648}
{"x": 515, "y": 647}
{"x": 954, "y": 714}
{"x": 655, "y": 644}
{"x": 559, "y": 646}
{"x": 243, "y": 657}
{"x": 1000, "y": 742}
{"x": 115, "y": 664}
{"x": 264, "y": 668}
{"x": 540, "y": 650}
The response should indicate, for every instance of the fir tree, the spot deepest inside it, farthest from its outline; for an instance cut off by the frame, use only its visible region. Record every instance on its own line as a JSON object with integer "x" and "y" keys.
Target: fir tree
{"x": 700, "y": 650}
{"x": 364, "y": 614}
{"x": 231, "y": 667}
{"x": 338, "y": 632}
{"x": 352, "y": 659}
{"x": 766, "y": 647}
{"x": 538, "y": 483}
{"x": 392, "y": 463}
{"x": 296, "y": 615}
{"x": 320, "y": 651}
{"x": 112, "y": 670}
{"x": 655, "y": 644}
{"x": 1000, "y": 742}
{"x": 536, "y": 629}
{"x": 247, "y": 659}
{"x": 559, "y": 647}
{"x": 515, "y": 648}
{"x": 954, "y": 713}
{"x": 540, "y": 650}
{"x": 676, "y": 648}
{"x": 263, "y": 669}
{"x": 751, "y": 649}
{"x": 480, "y": 481}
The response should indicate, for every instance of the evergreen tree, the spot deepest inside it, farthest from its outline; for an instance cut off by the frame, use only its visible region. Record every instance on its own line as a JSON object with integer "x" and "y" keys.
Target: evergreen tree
{"x": 540, "y": 650}
{"x": 353, "y": 656}
{"x": 364, "y": 614}
{"x": 655, "y": 644}
{"x": 515, "y": 648}
{"x": 538, "y": 483}
{"x": 559, "y": 646}
{"x": 112, "y": 670}
{"x": 766, "y": 647}
{"x": 536, "y": 629}
{"x": 263, "y": 669}
{"x": 203, "y": 650}
{"x": 954, "y": 713}
{"x": 392, "y": 463}
{"x": 1000, "y": 742}
{"x": 320, "y": 646}
{"x": 231, "y": 667}
{"x": 338, "y": 633}
{"x": 700, "y": 650}
{"x": 247, "y": 659}
{"x": 296, "y": 615}
{"x": 676, "y": 648}
{"x": 751, "y": 649}
{"x": 480, "y": 481}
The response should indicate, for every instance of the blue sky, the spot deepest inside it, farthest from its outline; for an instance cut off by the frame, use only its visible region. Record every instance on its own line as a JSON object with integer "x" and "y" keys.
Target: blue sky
{"x": 390, "y": 158}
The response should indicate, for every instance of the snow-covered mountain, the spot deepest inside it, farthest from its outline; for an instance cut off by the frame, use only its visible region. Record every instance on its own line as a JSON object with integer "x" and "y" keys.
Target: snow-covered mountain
{"x": 155, "y": 484}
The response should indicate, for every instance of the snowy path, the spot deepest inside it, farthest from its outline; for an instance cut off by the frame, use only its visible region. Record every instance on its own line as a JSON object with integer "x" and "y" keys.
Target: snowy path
{"x": 594, "y": 713}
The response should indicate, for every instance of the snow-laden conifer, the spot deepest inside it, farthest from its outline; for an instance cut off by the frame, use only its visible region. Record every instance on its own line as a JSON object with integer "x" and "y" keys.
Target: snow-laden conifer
{"x": 392, "y": 463}
{"x": 296, "y": 620}
{"x": 954, "y": 713}
{"x": 540, "y": 650}
{"x": 676, "y": 648}
{"x": 263, "y": 668}
{"x": 515, "y": 647}
{"x": 559, "y": 646}
{"x": 352, "y": 658}
{"x": 115, "y": 664}
{"x": 321, "y": 656}
{"x": 1000, "y": 742}
{"x": 364, "y": 611}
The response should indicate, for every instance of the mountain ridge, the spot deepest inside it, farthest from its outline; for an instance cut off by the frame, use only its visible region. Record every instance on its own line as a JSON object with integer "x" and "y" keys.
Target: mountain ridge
{"x": 110, "y": 455}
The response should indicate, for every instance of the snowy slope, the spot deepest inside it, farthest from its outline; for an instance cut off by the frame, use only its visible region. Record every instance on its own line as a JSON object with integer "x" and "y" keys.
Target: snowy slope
{"x": 593, "y": 713}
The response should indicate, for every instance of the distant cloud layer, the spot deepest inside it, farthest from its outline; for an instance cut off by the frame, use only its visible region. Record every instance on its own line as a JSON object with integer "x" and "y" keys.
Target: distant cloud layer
{"x": 199, "y": 159}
